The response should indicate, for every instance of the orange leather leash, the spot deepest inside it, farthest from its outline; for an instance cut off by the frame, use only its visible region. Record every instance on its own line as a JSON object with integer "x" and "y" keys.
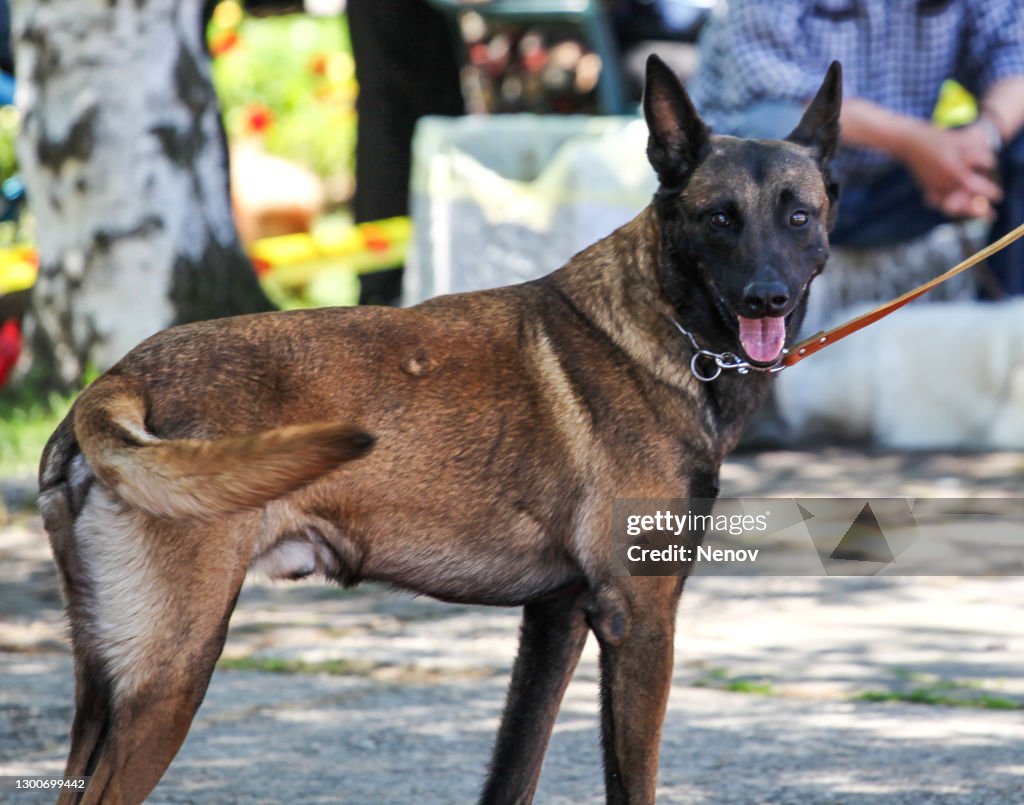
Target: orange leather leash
{"x": 825, "y": 338}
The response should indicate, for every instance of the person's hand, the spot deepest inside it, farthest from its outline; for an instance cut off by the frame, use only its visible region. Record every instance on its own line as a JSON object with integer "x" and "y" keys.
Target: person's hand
{"x": 954, "y": 169}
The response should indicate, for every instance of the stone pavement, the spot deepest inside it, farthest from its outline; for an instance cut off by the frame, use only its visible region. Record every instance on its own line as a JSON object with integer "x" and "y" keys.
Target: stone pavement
{"x": 391, "y": 699}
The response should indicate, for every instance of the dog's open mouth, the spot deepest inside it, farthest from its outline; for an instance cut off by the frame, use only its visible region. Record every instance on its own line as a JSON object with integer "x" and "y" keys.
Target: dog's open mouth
{"x": 763, "y": 338}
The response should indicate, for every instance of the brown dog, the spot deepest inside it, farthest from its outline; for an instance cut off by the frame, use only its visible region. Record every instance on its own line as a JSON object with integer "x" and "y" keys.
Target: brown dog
{"x": 503, "y": 425}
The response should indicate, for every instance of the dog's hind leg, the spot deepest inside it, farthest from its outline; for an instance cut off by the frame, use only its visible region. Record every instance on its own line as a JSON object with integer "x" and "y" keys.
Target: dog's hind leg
{"x": 551, "y": 641}
{"x": 634, "y": 621}
{"x": 149, "y": 602}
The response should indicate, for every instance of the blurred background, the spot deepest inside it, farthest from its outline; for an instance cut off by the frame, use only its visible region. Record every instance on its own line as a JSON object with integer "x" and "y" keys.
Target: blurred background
{"x": 285, "y": 80}
{"x": 528, "y": 147}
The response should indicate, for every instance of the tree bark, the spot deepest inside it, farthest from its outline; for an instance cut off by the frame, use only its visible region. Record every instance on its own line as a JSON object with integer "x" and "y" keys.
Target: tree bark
{"x": 125, "y": 163}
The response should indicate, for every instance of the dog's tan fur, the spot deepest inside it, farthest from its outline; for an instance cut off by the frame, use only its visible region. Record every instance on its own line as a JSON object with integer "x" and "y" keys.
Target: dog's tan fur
{"x": 489, "y": 464}
{"x": 503, "y": 423}
{"x": 199, "y": 478}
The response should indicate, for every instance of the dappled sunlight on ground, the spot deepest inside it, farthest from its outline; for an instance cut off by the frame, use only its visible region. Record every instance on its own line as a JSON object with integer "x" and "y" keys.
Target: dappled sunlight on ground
{"x": 391, "y": 699}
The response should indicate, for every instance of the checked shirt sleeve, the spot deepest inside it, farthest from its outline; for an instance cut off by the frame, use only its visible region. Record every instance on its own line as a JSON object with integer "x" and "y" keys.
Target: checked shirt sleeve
{"x": 995, "y": 43}
{"x": 766, "y": 42}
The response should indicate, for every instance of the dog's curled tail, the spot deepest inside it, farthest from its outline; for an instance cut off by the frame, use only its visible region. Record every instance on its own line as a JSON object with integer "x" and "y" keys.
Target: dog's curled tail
{"x": 195, "y": 478}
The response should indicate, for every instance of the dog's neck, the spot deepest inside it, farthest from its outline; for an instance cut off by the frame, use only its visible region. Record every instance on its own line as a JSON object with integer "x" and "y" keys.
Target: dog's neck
{"x": 630, "y": 306}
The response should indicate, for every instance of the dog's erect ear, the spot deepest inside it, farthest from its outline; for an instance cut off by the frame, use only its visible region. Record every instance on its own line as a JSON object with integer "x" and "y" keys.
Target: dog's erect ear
{"x": 677, "y": 134}
{"x": 819, "y": 127}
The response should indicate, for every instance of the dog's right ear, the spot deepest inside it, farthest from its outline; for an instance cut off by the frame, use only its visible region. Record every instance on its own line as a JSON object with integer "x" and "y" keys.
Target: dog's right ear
{"x": 677, "y": 134}
{"x": 819, "y": 127}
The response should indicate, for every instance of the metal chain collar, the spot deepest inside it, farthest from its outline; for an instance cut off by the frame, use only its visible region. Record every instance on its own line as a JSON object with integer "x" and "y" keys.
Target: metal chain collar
{"x": 723, "y": 361}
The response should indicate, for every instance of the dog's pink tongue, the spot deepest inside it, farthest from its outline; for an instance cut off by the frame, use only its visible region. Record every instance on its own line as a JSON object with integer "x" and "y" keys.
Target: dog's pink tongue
{"x": 762, "y": 339}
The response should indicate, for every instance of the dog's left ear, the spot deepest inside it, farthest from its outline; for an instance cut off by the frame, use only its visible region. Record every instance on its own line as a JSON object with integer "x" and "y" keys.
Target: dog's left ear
{"x": 677, "y": 134}
{"x": 819, "y": 127}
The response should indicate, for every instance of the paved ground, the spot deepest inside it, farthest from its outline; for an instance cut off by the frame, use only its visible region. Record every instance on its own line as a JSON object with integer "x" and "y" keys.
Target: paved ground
{"x": 763, "y": 707}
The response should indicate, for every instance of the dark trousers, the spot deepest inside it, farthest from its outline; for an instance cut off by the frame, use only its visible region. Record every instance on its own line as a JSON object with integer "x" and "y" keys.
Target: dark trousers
{"x": 891, "y": 210}
{"x": 406, "y": 68}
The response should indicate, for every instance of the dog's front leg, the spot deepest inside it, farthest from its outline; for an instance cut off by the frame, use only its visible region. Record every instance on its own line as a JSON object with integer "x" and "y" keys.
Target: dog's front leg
{"x": 634, "y": 621}
{"x": 551, "y": 641}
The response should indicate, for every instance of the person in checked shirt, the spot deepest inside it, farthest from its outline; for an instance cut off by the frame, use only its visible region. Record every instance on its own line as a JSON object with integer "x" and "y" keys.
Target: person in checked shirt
{"x": 901, "y": 175}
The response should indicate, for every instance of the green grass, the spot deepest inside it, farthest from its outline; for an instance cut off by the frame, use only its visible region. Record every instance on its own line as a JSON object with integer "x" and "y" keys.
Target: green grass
{"x": 925, "y": 689}
{"x": 940, "y": 692}
{"x": 943, "y": 697}
{"x": 273, "y": 665}
{"x": 26, "y": 422}
{"x": 759, "y": 687}
{"x": 720, "y": 679}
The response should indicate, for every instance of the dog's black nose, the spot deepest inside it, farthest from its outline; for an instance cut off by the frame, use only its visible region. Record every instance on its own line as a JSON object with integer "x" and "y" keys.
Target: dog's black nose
{"x": 765, "y": 299}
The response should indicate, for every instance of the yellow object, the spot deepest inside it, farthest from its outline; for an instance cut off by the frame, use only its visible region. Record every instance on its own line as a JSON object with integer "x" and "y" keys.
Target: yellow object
{"x": 955, "y": 107}
{"x": 294, "y": 265}
{"x": 227, "y": 14}
{"x": 17, "y": 268}
{"x": 371, "y": 246}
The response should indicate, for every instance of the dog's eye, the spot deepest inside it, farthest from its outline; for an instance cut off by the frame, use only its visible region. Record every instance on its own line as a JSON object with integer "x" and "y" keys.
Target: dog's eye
{"x": 719, "y": 220}
{"x": 799, "y": 218}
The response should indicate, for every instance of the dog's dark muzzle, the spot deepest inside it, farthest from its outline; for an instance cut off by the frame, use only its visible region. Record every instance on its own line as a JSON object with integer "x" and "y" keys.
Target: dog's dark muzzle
{"x": 766, "y": 299}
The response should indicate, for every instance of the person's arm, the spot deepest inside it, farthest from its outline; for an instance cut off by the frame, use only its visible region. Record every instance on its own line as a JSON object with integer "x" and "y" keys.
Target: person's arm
{"x": 993, "y": 61}
{"x": 951, "y": 166}
{"x": 1003, "y": 104}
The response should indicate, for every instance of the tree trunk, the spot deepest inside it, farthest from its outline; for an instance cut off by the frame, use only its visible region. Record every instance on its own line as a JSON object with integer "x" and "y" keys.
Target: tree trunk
{"x": 124, "y": 160}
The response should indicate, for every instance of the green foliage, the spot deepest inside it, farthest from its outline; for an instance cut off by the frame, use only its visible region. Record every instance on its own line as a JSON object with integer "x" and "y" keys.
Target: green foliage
{"x": 26, "y": 422}
{"x": 13, "y": 231}
{"x": 9, "y": 122}
{"x": 289, "y": 81}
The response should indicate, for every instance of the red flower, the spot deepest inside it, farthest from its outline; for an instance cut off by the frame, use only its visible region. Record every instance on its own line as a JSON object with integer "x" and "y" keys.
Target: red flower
{"x": 260, "y": 266}
{"x": 375, "y": 238}
{"x": 10, "y": 348}
{"x": 223, "y": 41}
{"x": 258, "y": 118}
{"x": 318, "y": 64}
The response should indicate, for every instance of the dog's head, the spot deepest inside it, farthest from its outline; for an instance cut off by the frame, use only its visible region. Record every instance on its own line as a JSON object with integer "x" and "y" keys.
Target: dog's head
{"x": 745, "y": 222}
